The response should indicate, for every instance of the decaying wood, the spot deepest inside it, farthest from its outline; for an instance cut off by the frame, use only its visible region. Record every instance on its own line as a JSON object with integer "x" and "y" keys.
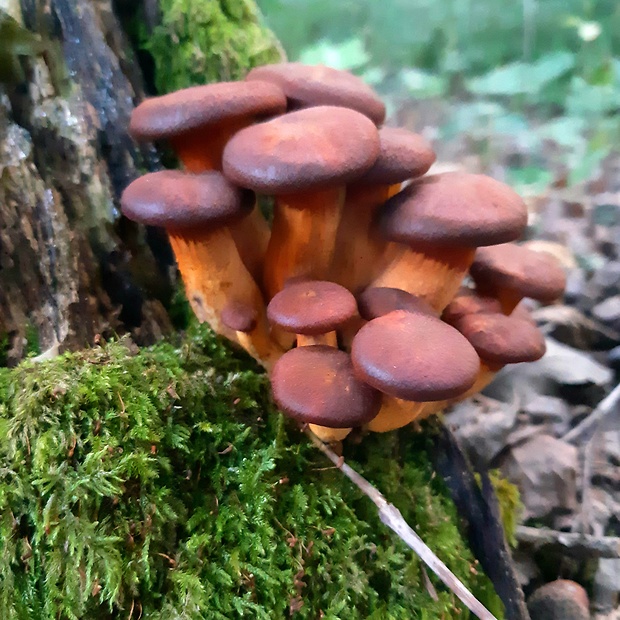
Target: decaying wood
{"x": 586, "y": 429}
{"x": 478, "y": 507}
{"x": 68, "y": 268}
{"x": 578, "y": 545}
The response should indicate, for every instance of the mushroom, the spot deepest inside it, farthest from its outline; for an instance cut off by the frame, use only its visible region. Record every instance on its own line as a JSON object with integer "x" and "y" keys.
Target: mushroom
{"x": 498, "y": 340}
{"x": 362, "y": 252}
{"x": 195, "y": 210}
{"x": 316, "y": 385}
{"x": 198, "y": 122}
{"x": 375, "y": 302}
{"x": 441, "y": 219}
{"x": 413, "y": 358}
{"x": 468, "y": 301}
{"x": 379, "y": 301}
{"x": 314, "y": 310}
{"x": 307, "y": 86}
{"x": 510, "y": 272}
{"x": 305, "y": 159}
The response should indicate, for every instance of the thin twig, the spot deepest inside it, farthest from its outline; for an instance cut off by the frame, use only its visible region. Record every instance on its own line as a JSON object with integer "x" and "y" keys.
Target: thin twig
{"x": 587, "y": 427}
{"x": 580, "y": 545}
{"x": 391, "y": 516}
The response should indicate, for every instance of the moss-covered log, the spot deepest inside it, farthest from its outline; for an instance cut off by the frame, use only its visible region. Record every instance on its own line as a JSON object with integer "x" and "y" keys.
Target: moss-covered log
{"x": 164, "y": 481}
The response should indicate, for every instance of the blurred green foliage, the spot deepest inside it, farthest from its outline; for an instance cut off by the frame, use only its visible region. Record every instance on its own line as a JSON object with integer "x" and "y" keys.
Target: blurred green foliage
{"x": 532, "y": 71}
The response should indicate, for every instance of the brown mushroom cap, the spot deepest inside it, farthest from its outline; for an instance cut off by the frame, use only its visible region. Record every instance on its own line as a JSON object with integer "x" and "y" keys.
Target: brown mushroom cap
{"x": 239, "y": 316}
{"x": 179, "y": 200}
{"x": 377, "y": 301}
{"x": 456, "y": 209}
{"x": 467, "y": 301}
{"x": 311, "y": 307}
{"x": 404, "y": 155}
{"x": 307, "y": 86}
{"x": 316, "y": 385}
{"x": 502, "y": 339}
{"x": 197, "y": 107}
{"x": 310, "y": 149}
{"x": 511, "y": 267}
{"x": 414, "y": 357}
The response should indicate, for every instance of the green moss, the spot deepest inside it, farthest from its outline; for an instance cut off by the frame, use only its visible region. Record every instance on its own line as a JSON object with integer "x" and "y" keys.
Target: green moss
{"x": 4, "y": 349}
{"x": 208, "y": 41}
{"x": 510, "y": 505}
{"x": 164, "y": 480}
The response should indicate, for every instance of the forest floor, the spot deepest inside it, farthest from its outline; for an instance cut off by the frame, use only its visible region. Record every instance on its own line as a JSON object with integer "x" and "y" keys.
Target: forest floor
{"x": 536, "y": 422}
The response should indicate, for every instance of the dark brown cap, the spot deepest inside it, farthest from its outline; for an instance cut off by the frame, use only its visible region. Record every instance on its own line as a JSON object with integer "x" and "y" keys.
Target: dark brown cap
{"x": 239, "y": 316}
{"x": 377, "y": 301}
{"x": 178, "y": 200}
{"x": 311, "y": 307}
{"x": 467, "y": 301}
{"x": 404, "y": 155}
{"x": 511, "y": 267}
{"x": 187, "y": 110}
{"x": 502, "y": 339}
{"x": 306, "y": 86}
{"x": 310, "y": 149}
{"x": 414, "y": 357}
{"x": 316, "y": 385}
{"x": 456, "y": 209}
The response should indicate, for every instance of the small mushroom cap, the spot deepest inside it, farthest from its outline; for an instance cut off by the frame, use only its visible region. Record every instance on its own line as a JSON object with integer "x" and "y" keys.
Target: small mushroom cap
{"x": 239, "y": 316}
{"x": 307, "y": 86}
{"x": 179, "y": 200}
{"x": 467, "y": 301}
{"x": 316, "y": 384}
{"x": 187, "y": 110}
{"x": 377, "y": 301}
{"x": 404, "y": 155}
{"x": 512, "y": 267}
{"x": 456, "y": 209}
{"x": 311, "y": 307}
{"x": 316, "y": 148}
{"x": 414, "y": 357}
{"x": 502, "y": 339}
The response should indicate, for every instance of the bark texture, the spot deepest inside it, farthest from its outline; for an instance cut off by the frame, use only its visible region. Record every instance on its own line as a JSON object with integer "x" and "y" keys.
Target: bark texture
{"x": 70, "y": 268}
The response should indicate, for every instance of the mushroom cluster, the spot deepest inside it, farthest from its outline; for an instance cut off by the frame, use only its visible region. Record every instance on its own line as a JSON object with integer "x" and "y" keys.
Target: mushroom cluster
{"x": 353, "y": 297}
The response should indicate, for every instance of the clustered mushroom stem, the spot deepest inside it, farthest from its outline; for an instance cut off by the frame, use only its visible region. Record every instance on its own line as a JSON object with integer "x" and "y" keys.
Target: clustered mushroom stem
{"x": 360, "y": 249}
{"x": 203, "y": 151}
{"x": 214, "y": 275}
{"x": 330, "y": 339}
{"x": 487, "y": 373}
{"x": 394, "y": 413}
{"x": 329, "y": 435}
{"x": 507, "y": 298}
{"x": 303, "y": 237}
{"x": 434, "y": 273}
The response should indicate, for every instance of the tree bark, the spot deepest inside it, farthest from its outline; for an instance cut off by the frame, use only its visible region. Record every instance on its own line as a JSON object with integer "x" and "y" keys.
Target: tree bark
{"x": 70, "y": 268}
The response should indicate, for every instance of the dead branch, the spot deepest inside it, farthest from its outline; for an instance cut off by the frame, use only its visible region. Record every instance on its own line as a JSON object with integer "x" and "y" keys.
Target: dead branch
{"x": 391, "y": 516}
{"x": 586, "y": 428}
{"x": 581, "y": 545}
